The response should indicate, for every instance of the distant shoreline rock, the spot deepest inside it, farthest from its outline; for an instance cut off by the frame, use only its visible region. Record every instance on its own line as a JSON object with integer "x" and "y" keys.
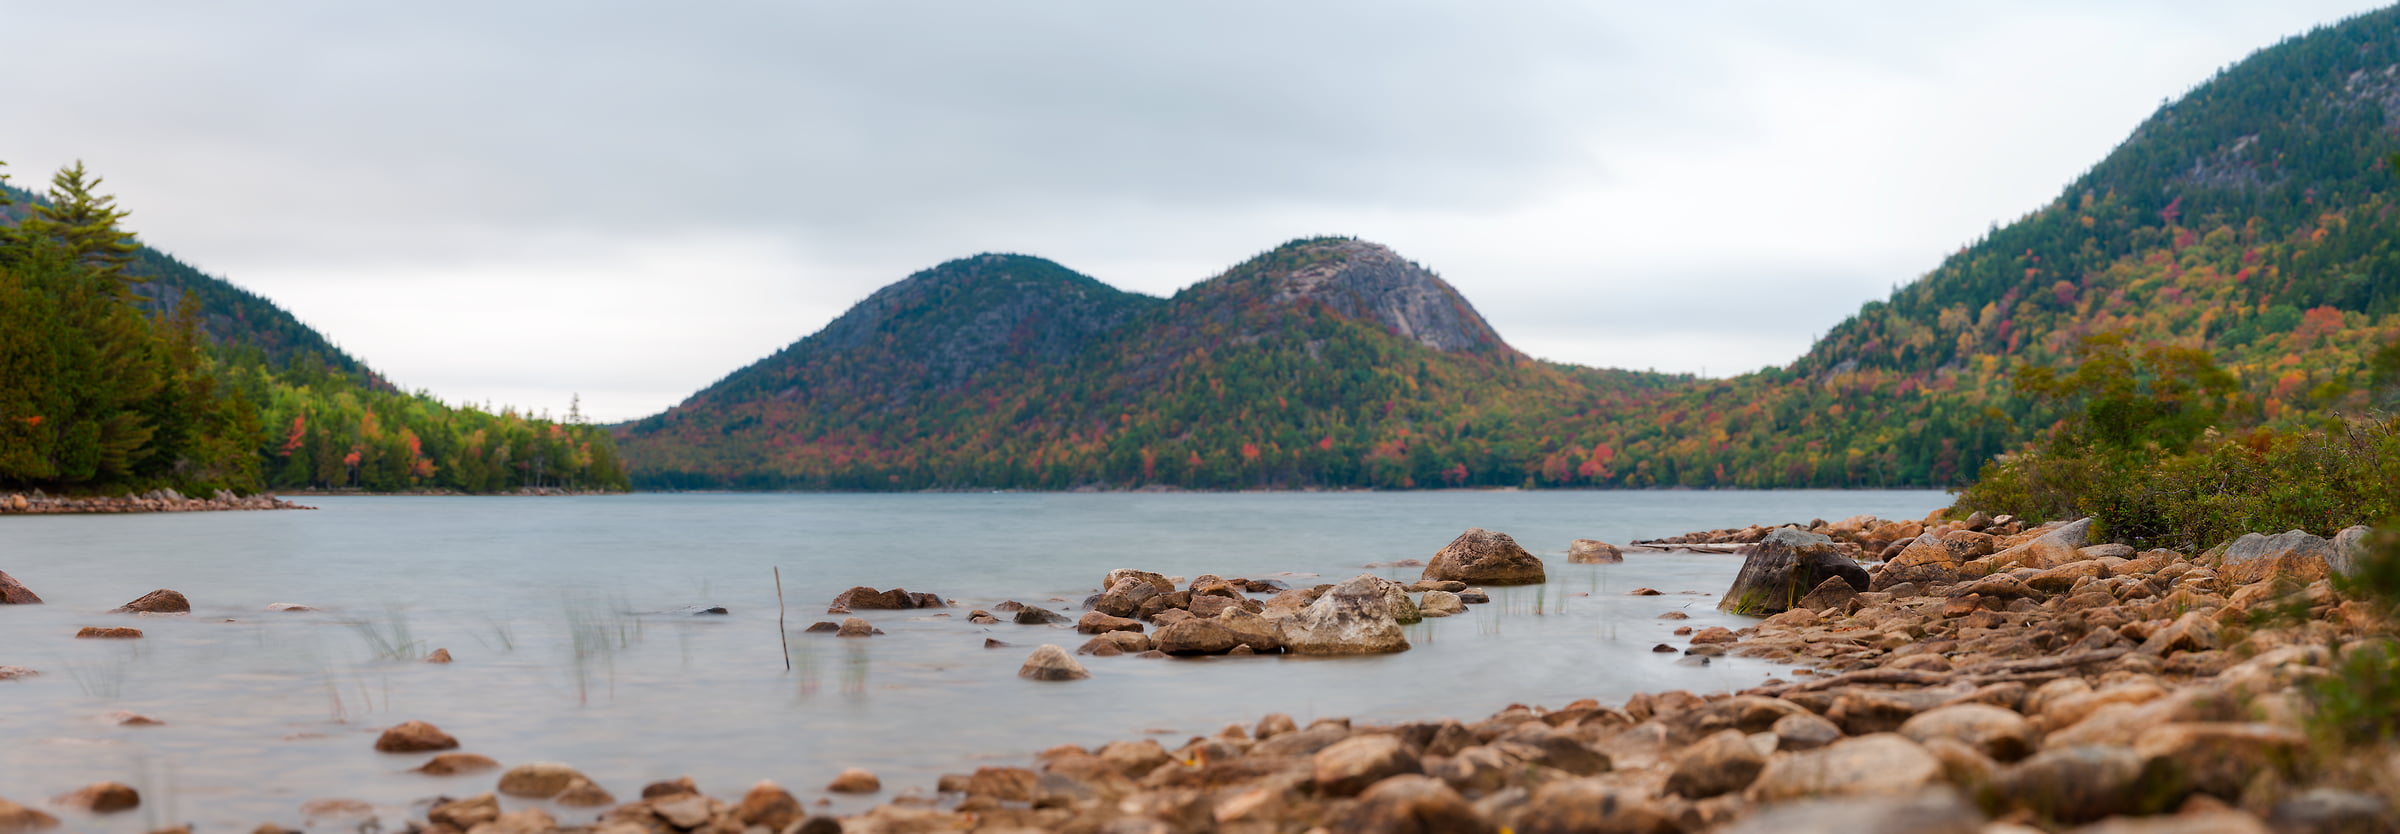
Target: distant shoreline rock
{"x": 154, "y": 501}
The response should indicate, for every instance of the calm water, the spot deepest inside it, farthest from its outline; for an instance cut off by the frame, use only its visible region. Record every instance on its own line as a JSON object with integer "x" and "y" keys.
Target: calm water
{"x": 540, "y": 599}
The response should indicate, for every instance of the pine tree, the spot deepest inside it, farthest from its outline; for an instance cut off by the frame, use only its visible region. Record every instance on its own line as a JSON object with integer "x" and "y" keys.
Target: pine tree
{"x": 86, "y": 223}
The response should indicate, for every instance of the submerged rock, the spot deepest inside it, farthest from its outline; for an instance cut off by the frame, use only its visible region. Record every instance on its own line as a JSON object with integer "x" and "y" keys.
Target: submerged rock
{"x": 539, "y": 780}
{"x": 1051, "y": 663}
{"x": 1593, "y": 552}
{"x": 1481, "y": 556}
{"x": 101, "y": 798}
{"x": 161, "y": 601}
{"x": 13, "y": 592}
{"x": 452, "y": 764}
{"x": 108, "y": 633}
{"x": 854, "y": 780}
{"x": 414, "y": 737}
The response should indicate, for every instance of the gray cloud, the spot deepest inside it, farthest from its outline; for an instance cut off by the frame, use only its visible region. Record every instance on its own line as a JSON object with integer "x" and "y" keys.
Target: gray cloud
{"x": 504, "y": 201}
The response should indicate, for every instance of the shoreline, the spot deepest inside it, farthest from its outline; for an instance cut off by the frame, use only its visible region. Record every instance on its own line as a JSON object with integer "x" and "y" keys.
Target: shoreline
{"x": 154, "y": 501}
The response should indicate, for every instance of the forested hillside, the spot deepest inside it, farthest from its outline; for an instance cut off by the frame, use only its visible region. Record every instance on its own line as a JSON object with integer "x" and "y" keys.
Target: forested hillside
{"x": 2251, "y": 220}
{"x": 124, "y": 369}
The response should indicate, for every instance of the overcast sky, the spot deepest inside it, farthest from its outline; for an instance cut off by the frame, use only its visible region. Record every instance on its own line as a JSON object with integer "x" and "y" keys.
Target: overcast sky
{"x": 517, "y": 202}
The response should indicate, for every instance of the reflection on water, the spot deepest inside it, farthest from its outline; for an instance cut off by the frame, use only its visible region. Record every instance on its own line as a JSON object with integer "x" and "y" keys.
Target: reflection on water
{"x": 552, "y": 609}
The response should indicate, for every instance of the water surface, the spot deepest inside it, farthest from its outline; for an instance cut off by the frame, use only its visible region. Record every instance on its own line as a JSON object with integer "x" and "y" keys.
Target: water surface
{"x": 542, "y": 602}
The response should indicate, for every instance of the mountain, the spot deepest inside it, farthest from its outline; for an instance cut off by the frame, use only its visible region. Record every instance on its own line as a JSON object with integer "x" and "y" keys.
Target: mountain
{"x": 1324, "y": 362}
{"x": 2253, "y": 218}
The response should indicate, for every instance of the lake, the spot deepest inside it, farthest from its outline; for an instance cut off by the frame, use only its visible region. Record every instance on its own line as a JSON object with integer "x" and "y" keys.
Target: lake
{"x": 557, "y": 612}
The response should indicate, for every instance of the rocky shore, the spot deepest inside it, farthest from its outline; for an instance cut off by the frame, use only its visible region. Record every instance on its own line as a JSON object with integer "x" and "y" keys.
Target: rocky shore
{"x": 155, "y": 501}
{"x": 1981, "y": 677}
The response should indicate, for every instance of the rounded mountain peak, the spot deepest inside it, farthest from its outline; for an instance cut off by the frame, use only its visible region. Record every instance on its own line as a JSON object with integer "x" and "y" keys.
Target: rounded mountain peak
{"x": 1370, "y": 282}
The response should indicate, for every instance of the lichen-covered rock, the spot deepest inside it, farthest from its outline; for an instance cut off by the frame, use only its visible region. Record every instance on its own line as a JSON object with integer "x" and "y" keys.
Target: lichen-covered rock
{"x": 2294, "y": 554}
{"x": 1352, "y": 618}
{"x": 1483, "y": 557}
{"x": 1439, "y": 604}
{"x": 1784, "y": 567}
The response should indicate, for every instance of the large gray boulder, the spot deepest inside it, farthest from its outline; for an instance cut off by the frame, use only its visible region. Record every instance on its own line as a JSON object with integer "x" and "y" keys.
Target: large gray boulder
{"x": 1784, "y": 567}
{"x": 2293, "y": 553}
{"x": 1482, "y": 557}
{"x": 1351, "y": 618}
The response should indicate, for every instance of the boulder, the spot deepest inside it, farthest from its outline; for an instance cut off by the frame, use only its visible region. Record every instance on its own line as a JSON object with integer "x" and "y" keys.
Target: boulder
{"x": 438, "y": 656}
{"x": 1592, "y": 806}
{"x": 1395, "y": 602}
{"x": 2062, "y": 579}
{"x": 465, "y": 814}
{"x": 1999, "y": 734}
{"x": 1096, "y": 622}
{"x": 1804, "y": 731}
{"x": 161, "y": 601}
{"x": 1722, "y": 763}
{"x": 1482, "y": 557}
{"x": 854, "y": 627}
{"x": 1439, "y": 604}
{"x": 1351, "y": 618}
{"x": 1195, "y": 636}
{"x": 1124, "y": 597}
{"x": 539, "y": 780}
{"x": 1784, "y": 567}
{"x": 2294, "y": 554}
{"x": 2331, "y": 811}
{"x": 414, "y": 737}
{"x": 770, "y": 806}
{"x": 1258, "y": 633}
{"x": 107, "y": 633}
{"x": 863, "y": 598}
{"x": 1051, "y": 663}
{"x": 1930, "y": 558}
{"x": 1036, "y": 615}
{"x": 13, "y": 592}
{"x": 1349, "y": 766}
{"x": 1409, "y": 804}
{"x": 2217, "y": 758}
{"x": 1593, "y": 552}
{"x": 1834, "y": 592}
{"x": 1938, "y": 811}
{"x": 823, "y": 627}
{"x": 1156, "y": 581}
{"x": 1882, "y": 764}
{"x": 2078, "y": 784}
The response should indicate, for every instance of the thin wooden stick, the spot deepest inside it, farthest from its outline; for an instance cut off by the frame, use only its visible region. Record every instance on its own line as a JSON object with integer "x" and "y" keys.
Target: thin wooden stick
{"x": 779, "y": 629}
